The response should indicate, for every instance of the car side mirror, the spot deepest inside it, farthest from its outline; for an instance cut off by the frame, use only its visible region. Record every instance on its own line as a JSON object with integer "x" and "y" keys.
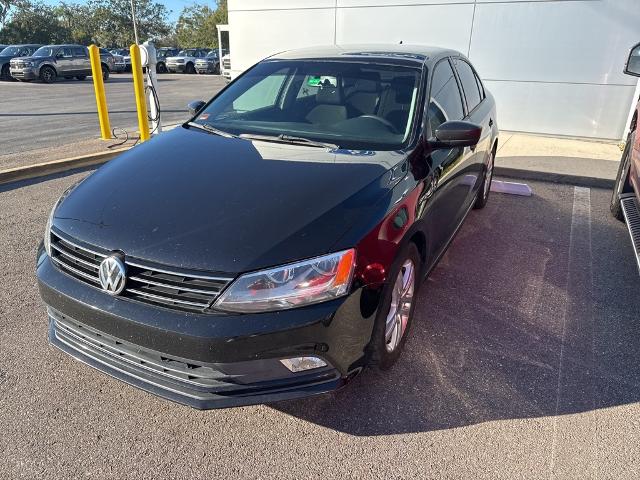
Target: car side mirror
{"x": 456, "y": 134}
{"x": 632, "y": 67}
{"x": 195, "y": 107}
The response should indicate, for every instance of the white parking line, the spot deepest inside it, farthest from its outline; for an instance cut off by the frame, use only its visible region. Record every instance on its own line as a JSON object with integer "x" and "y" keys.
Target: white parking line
{"x": 579, "y": 253}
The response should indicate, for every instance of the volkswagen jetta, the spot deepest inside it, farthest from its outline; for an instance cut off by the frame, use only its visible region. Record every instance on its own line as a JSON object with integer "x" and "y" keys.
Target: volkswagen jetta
{"x": 272, "y": 246}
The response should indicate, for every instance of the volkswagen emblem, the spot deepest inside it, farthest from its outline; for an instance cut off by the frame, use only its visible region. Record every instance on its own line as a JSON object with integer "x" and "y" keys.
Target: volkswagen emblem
{"x": 112, "y": 274}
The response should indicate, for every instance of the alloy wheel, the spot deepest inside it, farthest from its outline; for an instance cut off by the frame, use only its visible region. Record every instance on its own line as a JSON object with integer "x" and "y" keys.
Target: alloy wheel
{"x": 400, "y": 308}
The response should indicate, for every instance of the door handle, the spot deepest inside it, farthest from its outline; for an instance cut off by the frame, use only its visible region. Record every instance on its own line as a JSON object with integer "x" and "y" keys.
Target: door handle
{"x": 491, "y": 122}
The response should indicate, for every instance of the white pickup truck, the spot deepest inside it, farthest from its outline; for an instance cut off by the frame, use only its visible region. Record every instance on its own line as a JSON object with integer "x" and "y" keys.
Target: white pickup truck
{"x": 185, "y": 61}
{"x": 226, "y": 67}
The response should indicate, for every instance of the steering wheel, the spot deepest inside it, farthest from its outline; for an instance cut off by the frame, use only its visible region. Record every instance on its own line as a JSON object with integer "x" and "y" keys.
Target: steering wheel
{"x": 382, "y": 120}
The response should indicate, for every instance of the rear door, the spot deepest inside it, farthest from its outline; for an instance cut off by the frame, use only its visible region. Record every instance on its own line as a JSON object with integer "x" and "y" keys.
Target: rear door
{"x": 81, "y": 62}
{"x": 479, "y": 112}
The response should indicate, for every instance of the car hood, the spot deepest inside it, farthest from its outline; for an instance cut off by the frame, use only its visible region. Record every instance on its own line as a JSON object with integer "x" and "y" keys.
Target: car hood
{"x": 28, "y": 58}
{"x": 199, "y": 201}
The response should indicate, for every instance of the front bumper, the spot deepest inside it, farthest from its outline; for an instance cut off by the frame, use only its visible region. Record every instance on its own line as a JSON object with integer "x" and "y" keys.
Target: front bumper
{"x": 176, "y": 67}
{"x": 139, "y": 343}
{"x": 119, "y": 67}
{"x": 23, "y": 73}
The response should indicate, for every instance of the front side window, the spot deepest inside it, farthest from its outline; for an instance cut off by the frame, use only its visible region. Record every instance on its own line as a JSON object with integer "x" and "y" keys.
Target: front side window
{"x": 445, "y": 102}
{"x": 79, "y": 52}
{"x": 469, "y": 83}
{"x": 355, "y": 105}
{"x": 44, "y": 52}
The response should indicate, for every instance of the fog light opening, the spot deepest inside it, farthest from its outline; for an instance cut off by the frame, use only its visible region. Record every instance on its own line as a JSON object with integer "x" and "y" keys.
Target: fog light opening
{"x": 300, "y": 364}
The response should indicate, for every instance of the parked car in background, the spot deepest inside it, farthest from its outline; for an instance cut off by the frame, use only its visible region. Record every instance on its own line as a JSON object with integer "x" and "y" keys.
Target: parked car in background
{"x": 343, "y": 183}
{"x": 226, "y": 67}
{"x": 53, "y": 61}
{"x": 161, "y": 56}
{"x": 126, "y": 57}
{"x": 107, "y": 59}
{"x": 185, "y": 60}
{"x": 625, "y": 202}
{"x": 119, "y": 65}
{"x": 13, "y": 51}
{"x": 208, "y": 64}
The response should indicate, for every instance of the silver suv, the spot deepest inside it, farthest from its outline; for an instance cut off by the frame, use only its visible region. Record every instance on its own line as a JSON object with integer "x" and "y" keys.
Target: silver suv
{"x": 53, "y": 61}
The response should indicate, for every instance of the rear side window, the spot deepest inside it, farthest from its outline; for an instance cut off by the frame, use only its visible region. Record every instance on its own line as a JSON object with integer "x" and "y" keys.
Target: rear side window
{"x": 445, "y": 103}
{"x": 79, "y": 52}
{"x": 469, "y": 83}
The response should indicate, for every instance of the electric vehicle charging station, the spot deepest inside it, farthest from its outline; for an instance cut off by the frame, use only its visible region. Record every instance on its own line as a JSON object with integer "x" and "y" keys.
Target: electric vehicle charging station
{"x": 148, "y": 59}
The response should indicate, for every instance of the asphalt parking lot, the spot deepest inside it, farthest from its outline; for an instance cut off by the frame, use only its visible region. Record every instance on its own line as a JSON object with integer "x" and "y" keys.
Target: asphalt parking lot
{"x": 523, "y": 362}
{"x": 37, "y": 115}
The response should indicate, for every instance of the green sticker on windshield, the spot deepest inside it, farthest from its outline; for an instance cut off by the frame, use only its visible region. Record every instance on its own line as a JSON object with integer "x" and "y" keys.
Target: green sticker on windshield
{"x": 314, "y": 81}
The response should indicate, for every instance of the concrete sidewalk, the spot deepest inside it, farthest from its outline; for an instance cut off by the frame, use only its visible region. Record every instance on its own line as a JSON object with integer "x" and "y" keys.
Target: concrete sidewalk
{"x": 558, "y": 159}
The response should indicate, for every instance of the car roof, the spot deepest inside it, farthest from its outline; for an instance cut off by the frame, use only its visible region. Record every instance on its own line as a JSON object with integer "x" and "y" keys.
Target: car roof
{"x": 64, "y": 45}
{"x": 25, "y": 45}
{"x": 418, "y": 53}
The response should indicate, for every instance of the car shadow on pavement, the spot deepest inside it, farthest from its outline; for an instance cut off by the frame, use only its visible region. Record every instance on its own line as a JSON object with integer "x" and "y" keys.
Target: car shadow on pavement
{"x": 520, "y": 319}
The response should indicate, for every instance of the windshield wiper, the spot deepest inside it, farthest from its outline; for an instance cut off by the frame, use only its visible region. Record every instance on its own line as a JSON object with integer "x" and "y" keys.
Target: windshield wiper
{"x": 208, "y": 128}
{"x": 283, "y": 138}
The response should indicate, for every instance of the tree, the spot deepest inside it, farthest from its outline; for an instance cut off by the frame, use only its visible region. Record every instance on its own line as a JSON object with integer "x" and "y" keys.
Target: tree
{"x": 5, "y": 7}
{"x": 196, "y": 25}
{"x": 112, "y": 21}
{"x": 35, "y": 23}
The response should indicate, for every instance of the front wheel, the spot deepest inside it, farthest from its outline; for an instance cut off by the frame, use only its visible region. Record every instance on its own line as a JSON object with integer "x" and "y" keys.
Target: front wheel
{"x": 190, "y": 69}
{"x": 485, "y": 188}
{"x": 4, "y": 73}
{"x": 622, "y": 178}
{"x": 394, "y": 316}
{"x": 47, "y": 74}
{"x": 105, "y": 74}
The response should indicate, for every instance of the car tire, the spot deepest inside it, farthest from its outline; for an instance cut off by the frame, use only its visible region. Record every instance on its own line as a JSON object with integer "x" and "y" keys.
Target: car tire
{"x": 189, "y": 68}
{"x": 394, "y": 318}
{"x": 48, "y": 74}
{"x": 81, "y": 77}
{"x": 161, "y": 68}
{"x": 622, "y": 184}
{"x": 4, "y": 73}
{"x": 485, "y": 187}
{"x": 105, "y": 74}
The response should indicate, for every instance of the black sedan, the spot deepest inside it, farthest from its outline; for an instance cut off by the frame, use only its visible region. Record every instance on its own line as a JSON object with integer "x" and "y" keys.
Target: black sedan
{"x": 272, "y": 247}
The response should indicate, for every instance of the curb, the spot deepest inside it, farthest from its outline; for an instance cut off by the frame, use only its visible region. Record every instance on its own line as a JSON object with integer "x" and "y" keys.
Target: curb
{"x": 578, "y": 180}
{"x": 56, "y": 166}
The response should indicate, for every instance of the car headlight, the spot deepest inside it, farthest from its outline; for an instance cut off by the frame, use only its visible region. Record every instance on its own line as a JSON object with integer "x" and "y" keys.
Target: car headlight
{"x": 180, "y": 60}
{"x": 47, "y": 228}
{"x": 294, "y": 285}
{"x": 28, "y": 64}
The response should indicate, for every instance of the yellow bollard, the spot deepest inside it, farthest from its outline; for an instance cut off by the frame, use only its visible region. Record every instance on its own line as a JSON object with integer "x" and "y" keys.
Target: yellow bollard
{"x": 101, "y": 98}
{"x": 138, "y": 90}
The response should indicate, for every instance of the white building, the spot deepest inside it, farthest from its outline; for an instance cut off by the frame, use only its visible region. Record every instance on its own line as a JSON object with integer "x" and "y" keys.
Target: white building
{"x": 554, "y": 66}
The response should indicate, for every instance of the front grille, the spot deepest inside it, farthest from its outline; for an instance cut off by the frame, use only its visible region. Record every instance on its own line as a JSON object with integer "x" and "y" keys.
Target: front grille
{"x": 226, "y": 63}
{"x": 145, "y": 283}
{"x": 101, "y": 344}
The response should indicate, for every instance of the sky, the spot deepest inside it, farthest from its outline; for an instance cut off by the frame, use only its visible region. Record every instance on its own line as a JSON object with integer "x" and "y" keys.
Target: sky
{"x": 175, "y": 6}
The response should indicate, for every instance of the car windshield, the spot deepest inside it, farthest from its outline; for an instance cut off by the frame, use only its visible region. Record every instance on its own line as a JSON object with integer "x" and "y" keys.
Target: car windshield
{"x": 186, "y": 53}
{"x": 355, "y": 105}
{"x": 10, "y": 51}
{"x": 44, "y": 52}
{"x": 212, "y": 54}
